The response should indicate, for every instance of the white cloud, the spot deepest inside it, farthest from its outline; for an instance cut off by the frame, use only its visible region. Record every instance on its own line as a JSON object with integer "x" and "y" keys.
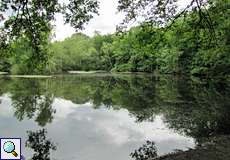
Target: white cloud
{"x": 62, "y": 31}
{"x": 105, "y": 23}
{"x": 115, "y": 127}
{"x": 5, "y": 111}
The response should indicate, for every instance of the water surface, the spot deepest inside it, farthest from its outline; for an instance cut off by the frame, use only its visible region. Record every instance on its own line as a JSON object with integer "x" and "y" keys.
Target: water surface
{"x": 105, "y": 117}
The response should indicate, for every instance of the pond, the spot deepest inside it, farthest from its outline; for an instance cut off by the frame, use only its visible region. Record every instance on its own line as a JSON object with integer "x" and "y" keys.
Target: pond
{"x": 108, "y": 117}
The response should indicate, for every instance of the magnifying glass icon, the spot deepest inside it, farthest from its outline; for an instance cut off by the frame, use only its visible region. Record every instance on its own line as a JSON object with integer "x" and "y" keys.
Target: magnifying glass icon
{"x": 9, "y": 147}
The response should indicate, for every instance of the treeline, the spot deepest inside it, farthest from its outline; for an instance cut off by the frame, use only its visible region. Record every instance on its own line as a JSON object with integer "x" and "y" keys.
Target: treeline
{"x": 187, "y": 45}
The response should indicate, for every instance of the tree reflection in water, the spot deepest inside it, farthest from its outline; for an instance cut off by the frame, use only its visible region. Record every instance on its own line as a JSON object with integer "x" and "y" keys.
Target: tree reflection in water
{"x": 39, "y": 143}
{"x": 30, "y": 99}
{"x": 145, "y": 152}
{"x": 217, "y": 148}
{"x": 198, "y": 109}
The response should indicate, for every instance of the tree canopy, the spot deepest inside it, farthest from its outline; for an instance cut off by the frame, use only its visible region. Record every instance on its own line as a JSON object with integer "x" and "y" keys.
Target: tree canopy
{"x": 31, "y": 20}
{"x": 161, "y": 12}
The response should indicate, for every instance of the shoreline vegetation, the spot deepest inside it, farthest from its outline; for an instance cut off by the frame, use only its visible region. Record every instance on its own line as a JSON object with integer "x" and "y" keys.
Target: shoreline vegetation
{"x": 73, "y": 72}
{"x": 198, "y": 79}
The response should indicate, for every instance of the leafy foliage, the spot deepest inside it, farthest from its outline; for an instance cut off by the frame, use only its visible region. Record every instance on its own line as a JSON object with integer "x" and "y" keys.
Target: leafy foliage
{"x": 31, "y": 20}
{"x": 146, "y": 48}
{"x": 165, "y": 12}
{"x": 145, "y": 152}
{"x": 37, "y": 140}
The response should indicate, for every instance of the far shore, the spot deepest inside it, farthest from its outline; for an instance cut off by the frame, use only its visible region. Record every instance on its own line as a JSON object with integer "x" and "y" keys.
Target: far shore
{"x": 29, "y": 76}
{"x": 101, "y": 72}
{"x": 4, "y": 73}
{"x": 86, "y": 72}
{"x": 70, "y": 72}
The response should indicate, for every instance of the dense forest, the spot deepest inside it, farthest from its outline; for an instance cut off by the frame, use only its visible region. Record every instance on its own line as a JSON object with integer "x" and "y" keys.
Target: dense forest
{"x": 189, "y": 44}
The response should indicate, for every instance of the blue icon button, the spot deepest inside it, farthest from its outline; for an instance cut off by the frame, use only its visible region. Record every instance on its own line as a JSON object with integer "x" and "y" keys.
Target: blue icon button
{"x": 10, "y": 149}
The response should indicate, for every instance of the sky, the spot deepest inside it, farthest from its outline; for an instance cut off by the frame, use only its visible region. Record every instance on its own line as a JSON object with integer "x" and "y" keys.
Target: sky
{"x": 104, "y": 23}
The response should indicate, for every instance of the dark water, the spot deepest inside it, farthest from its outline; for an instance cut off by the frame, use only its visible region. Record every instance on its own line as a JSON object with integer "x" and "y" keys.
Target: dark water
{"x": 104, "y": 117}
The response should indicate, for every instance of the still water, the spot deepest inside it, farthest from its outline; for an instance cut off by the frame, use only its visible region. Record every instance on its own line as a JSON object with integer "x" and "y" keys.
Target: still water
{"x": 105, "y": 117}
